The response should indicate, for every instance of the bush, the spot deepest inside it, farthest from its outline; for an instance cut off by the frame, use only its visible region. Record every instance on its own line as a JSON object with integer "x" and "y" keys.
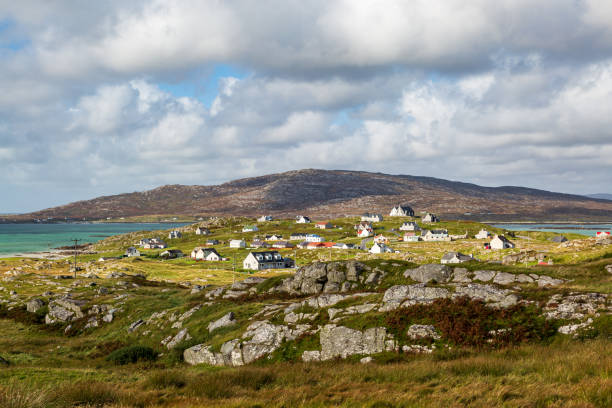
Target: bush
{"x": 132, "y": 354}
{"x": 90, "y": 394}
{"x": 468, "y": 322}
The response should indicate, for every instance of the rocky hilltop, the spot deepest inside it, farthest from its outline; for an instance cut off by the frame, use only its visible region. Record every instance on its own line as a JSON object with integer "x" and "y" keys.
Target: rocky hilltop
{"x": 336, "y": 193}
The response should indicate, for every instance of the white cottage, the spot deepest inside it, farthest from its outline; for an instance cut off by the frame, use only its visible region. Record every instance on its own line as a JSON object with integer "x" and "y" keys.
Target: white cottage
{"x": 380, "y": 248}
{"x": 410, "y": 226}
{"x": 455, "y": 258}
{"x": 301, "y": 219}
{"x": 482, "y": 234}
{"x": 237, "y": 243}
{"x": 205, "y": 254}
{"x": 501, "y": 242}
{"x": 266, "y": 260}
{"x": 429, "y": 217}
{"x": 402, "y": 211}
{"x": 202, "y": 231}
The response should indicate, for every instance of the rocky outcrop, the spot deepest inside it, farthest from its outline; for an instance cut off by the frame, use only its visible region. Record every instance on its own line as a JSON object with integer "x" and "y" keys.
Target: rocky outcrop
{"x": 429, "y": 272}
{"x": 64, "y": 310}
{"x": 406, "y": 295}
{"x": 34, "y": 305}
{"x": 488, "y": 293}
{"x": 422, "y": 331}
{"x": 261, "y": 338}
{"x": 225, "y": 321}
{"x": 330, "y": 277}
{"x": 575, "y": 305}
{"x": 341, "y": 342}
{"x": 172, "y": 342}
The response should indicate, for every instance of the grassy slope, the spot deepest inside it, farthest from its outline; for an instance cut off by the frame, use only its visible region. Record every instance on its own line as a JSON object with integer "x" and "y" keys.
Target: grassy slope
{"x": 564, "y": 373}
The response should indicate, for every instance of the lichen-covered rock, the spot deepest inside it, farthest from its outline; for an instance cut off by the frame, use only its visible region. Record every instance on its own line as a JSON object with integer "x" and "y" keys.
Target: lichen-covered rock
{"x": 202, "y": 354}
{"x": 64, "y": 310}
{"x": 484, "y": 276}
{"x": 340, "y": 341}
{"x": 321, "y": 277}
{"x": 488, "y": 293}
{"x": 429, "y": 272}
{"x": 311, "y": 355}
{"x": 522, "y": 278}
{"x": 227, "y": 320}
{"x": 461, "y": 275}
{"x": 575, "y": 305}
{"x": 503, "y": 278}
{"x": 410, "y": 295}
{"x": 180, "y": 336}
{"x": 575, "y": 328}
{"x": 548, "y": 281}
{"x": 34, "y": 305}
{"x": 422, "y": 331}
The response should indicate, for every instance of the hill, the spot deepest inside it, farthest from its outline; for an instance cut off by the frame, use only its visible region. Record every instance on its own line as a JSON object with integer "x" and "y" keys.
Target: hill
{"x": 324, "y": 193}
{"x": 601, "y": 196}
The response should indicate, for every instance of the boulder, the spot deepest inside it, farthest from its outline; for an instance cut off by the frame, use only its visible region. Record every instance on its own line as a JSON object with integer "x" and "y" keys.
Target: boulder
{"x": 180, "y": 336}
{"x": 548, "y": 281}
{"x": 134, "y": 326}
{"x": 609, "y": 268}
{"x": 522, "y": 278}
{"x": 64, "y": 310}
{"x": 227, "y": 320}
{"x": 484, "y": 276}
{"x": 202, "y": 354}
{"x": 488, "y": 293}
{"x": 422, "y": 331}
{"x": 411, "y": 294}
{"x": 461, "y": 275}
{"x": 503, "y": 278}
{"x": 320, "y": 277}
{"x": 429, "y": 272}
{"x": 311, "y": 355}
{"x": 34, "y": 305}
{"x": 340, "y": 341}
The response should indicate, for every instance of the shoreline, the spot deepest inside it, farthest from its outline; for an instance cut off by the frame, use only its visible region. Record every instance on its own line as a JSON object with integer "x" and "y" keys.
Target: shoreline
{"x": 52, "y": 255}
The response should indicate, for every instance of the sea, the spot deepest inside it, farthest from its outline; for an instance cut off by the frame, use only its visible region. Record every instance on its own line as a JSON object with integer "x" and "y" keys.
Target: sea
{"x": 584, "y": 229}
{"x": 26, "y": 238}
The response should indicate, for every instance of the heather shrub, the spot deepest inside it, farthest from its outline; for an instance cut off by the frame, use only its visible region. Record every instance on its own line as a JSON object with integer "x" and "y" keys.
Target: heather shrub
{"x": 132, "y": 354}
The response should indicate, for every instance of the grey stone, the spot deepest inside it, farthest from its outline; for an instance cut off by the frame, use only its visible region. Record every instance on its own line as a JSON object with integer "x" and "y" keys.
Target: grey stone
{"x": 522, "y": 278}
{"x": 461, "y": 275}
{"x": 134, "y": 326}
{"x": 548, "y": 281}
{"x": 609, "y": 268}
{"x": 331, "y": 287}
{"x": 503, "y": 278}
{"x": 373, "y": 278}
{"x": 235, "y": 294}
{"x": 413, "y": 294}
{"x": 227, "y": 320}
{"x": 34, "y": 305}
{"x": 311, "y": 355}
{"x": 180, "y": 336}
{"x": 340, "y": 341}
{"x": 488, "y": 293}
{"x": 366, "y": 360}
{"x": 429, "y": 272}
{"x": 202, "y": 354}
{"x": 422, "y": 331}
{"x": 64, "y": 310}
{"x": 484, "y": 276}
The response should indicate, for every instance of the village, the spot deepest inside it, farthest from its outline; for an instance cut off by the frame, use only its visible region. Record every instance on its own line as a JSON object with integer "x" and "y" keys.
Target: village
{"x": 268, "y": 243}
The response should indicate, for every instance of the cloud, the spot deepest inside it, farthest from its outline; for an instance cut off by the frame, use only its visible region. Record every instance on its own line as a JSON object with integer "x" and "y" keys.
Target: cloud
{"x": 488, "y": 92}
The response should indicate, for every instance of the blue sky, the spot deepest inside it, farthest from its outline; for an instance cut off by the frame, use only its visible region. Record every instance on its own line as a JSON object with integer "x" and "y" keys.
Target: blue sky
{"x": 100, "y": 98}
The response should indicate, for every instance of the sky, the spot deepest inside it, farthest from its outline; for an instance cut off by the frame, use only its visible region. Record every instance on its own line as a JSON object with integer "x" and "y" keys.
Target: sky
{"x": 100, "y": 98}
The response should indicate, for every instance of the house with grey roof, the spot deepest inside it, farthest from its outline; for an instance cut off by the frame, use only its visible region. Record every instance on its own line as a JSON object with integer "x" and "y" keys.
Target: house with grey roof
{"x": 266, "y": 260}
{"x": 401, "y": 211}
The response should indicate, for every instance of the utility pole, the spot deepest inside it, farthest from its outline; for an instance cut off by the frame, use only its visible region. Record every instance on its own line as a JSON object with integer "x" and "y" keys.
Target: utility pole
{"x": 75, "y": 255}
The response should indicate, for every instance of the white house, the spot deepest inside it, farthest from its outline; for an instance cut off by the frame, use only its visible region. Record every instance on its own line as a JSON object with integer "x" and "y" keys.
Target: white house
{"x": 372, "y": 217}
{"x": 250, "y": 228}
{"x": 205, "y": 254}
{"x": 131, "y": 251}
{"x": 364, "y": 232}
{"x": 429, "y": 217}
{"x": 482, "y": 234}
{"x": 175, "y": 234}
{"x": 274, "y": 237}
{"x": 455, "y": 257}
{"x": 410, "y": 226}
{"x": 297, "y": 236}
{"x": 501, "y": 242}
{"x": 402, "y": 211}
{"x": 266, "y": 260}
{"x": 300, "y": 219}
{"x": 323, "y": 225}
{"x": 202, "y": 231}
{"x": 435, "y": 235}
{"x": 314, "y": 238}
{"x": 237, "y": 243}
{"x": 411, "y": 237}
{"x": 379, "y": 248}
{"x": 265, "y": 218}
{"x": 153, "y": 243}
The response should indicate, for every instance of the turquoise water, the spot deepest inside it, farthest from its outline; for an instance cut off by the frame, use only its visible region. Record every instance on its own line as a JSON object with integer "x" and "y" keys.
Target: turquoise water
{"x": 584, "y": 229}
{"x": 19, "y": 238}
